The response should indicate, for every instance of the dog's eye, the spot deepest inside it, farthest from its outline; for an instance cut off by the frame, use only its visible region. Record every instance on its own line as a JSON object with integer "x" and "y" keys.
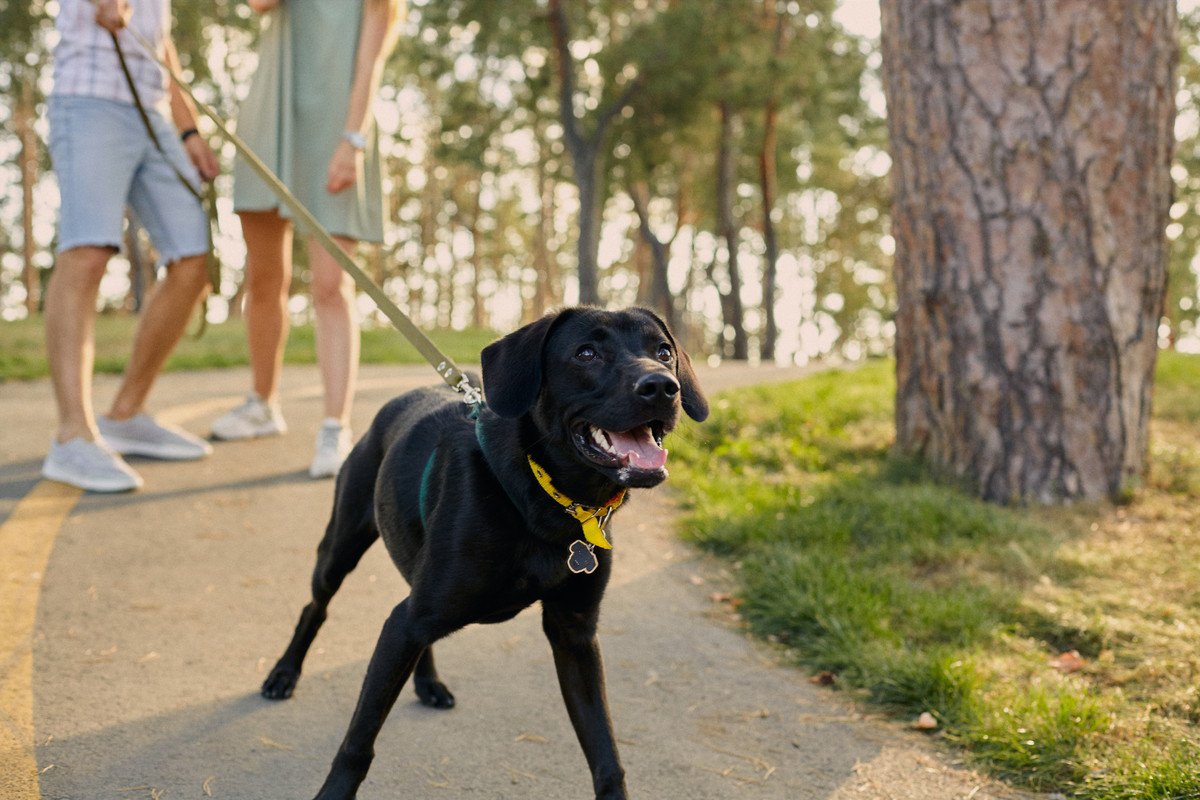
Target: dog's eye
{"x": 664, "y": 353}
{"x": 585, "y": 353}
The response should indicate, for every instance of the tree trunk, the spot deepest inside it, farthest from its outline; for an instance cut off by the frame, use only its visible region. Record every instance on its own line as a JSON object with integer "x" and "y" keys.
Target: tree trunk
{"x": 590, "y": 217}
{"x": 731, "y": 300}
{"x": 23, "y": 118}
{"x": 767, "y": 179}
{"x": 1031, "y": 146}
{"x": 586, "y": 151}
{"x": 142, "y": 274}
{"x": 657, "y": 291}
{"x": 547, "y": 289}
{"x": 478, "y": 310}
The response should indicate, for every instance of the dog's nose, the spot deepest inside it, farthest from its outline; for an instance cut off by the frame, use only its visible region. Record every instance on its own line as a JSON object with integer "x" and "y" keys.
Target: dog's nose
{"x": 656, "y": 386}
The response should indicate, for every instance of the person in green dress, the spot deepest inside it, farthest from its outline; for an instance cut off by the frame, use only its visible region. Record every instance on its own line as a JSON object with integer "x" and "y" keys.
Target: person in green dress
{"x": 308, "y": 116}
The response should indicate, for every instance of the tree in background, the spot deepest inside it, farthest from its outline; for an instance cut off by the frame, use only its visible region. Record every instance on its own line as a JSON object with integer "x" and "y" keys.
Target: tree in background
{"x": 656, "y": 142}
{"x": 23, "y": 35}
{"x": 1032, "y": 146}
{"x": 486, "y": 218}
{"x": 1181, "y": 309}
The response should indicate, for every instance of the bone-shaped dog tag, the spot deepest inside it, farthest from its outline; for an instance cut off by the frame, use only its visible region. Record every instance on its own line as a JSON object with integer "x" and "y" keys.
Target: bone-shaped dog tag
{"x": 582, "y": 558}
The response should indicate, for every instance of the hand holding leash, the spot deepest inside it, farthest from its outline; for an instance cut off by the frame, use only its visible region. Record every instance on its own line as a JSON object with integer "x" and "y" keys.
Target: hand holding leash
{"x": 113, "y": 15}
{"x": 344, "y": 167}
{"x": 202, "y": 157}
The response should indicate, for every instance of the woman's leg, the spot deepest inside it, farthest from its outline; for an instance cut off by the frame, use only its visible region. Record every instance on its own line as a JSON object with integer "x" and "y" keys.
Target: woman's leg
{"x": 337, "y": 328}
{"x": 268, "y": 278}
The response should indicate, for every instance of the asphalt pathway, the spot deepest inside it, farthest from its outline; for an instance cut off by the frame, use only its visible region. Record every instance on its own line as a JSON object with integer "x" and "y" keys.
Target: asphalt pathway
{"x": 159, "y": 613}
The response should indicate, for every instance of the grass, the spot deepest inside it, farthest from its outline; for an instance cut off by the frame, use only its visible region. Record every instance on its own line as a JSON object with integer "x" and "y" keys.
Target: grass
{"x": 23, "y": 353}
{"x": 920, "y": 598}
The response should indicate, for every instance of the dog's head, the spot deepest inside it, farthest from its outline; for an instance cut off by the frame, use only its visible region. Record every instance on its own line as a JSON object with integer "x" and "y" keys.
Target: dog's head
{"x": 607, "y": 385}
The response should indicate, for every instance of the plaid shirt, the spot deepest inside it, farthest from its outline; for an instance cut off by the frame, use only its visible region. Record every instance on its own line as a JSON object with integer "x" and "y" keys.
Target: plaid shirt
{"x": 85, "y": 62}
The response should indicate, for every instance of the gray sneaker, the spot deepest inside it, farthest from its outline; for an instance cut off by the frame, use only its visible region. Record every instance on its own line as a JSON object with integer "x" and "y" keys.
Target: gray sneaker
{"x": 250, "y": 420}
{"x": 89, "y": 465}
{"x": 142, "y": 435}
{"x": 333, "y": 445}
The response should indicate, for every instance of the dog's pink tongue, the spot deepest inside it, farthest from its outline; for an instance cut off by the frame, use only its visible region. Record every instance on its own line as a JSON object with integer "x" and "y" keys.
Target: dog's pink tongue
{"x": 639, "y": 448}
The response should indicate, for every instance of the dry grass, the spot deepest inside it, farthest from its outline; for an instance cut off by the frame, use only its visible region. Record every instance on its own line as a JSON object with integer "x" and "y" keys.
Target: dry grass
{"x": 920, "y": 598}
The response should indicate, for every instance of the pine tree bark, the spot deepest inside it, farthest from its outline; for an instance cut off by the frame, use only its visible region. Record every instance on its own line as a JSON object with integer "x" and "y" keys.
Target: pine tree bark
{"x": 1031, "y": 144}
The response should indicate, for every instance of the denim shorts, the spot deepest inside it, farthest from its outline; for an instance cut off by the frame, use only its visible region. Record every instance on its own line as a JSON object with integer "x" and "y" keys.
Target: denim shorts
{"x": 104, "y": 160}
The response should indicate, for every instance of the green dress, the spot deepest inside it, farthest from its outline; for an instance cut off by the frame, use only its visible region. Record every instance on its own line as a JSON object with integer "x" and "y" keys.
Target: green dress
{"x": 295, "y": 112}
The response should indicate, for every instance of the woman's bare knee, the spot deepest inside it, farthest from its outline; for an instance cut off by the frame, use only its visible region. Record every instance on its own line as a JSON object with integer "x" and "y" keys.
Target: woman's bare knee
{"x": 332, "y": 291}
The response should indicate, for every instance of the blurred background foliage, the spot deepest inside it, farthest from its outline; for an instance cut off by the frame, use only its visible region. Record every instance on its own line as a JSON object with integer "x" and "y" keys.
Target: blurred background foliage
{"x": 722, "y": 160}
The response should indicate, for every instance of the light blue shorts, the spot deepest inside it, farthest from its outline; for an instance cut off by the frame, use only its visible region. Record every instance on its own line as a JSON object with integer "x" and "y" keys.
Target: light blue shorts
{"x": 104, "y": 159}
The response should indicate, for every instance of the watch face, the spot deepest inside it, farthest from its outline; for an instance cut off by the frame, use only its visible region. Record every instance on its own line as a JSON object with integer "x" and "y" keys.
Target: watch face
{"x": 356, "y": 139}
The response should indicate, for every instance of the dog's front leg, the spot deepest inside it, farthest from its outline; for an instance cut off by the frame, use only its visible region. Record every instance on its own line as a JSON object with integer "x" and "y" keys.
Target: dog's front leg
{"x": 401, "y": 642}
{"x": 572, "y": 636}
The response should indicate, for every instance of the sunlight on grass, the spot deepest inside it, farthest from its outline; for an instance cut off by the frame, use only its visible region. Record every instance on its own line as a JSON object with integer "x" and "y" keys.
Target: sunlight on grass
{"x": 921, "y": 598}
{"x": 23, "y": 352}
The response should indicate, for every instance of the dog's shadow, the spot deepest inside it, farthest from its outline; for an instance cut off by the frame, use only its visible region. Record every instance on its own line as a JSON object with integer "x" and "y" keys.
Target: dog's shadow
{"x": 248, "y": 747}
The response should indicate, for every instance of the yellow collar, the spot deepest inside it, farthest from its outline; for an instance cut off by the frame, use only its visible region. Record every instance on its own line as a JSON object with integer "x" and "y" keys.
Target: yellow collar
{"x": 592, "y": 518}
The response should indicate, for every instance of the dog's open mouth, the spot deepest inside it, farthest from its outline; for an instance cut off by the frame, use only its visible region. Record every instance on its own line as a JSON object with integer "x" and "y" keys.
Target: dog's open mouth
{"x": 638, "y": 448}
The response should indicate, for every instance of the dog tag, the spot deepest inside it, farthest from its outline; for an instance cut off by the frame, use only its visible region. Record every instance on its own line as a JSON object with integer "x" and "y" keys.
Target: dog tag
{"x": 582, "y": 558}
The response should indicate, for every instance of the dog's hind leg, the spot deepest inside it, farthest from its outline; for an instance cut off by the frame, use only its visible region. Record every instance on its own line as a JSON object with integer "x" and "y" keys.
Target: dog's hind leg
{"x": 431, "y": 691}
{"x": 351, "y": 531}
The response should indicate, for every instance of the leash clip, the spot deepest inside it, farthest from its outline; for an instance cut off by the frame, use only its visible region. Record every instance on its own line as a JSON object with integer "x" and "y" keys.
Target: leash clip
{"x": 471, "y": 394}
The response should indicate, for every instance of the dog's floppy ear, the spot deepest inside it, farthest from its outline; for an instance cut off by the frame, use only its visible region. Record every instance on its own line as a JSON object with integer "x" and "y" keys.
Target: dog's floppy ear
{"x": 695, "y": 405}
{"x": 512, "y": 368}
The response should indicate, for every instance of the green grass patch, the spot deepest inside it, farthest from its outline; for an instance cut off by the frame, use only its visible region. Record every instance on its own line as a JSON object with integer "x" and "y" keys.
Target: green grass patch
{"x": 23, "y": 351}
{"x": 919, "y": 597}
{"x": 1176, "y": 395}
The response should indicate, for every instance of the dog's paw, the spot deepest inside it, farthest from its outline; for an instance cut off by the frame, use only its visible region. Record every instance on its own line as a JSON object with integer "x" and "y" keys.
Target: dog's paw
{"x": 433, "y": 693}
{"x": 280, "y": 683}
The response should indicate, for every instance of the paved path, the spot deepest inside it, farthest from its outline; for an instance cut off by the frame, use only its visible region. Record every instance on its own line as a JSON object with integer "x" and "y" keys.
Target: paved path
{"x": 158, "y": 613}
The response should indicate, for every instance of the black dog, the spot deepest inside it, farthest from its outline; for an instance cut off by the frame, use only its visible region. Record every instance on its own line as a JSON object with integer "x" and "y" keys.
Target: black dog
{"x": 472, "y": 513}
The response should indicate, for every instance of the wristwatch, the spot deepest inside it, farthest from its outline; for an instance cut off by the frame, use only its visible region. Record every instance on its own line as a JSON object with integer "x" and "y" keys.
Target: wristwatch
{"x": 356, "y": 139}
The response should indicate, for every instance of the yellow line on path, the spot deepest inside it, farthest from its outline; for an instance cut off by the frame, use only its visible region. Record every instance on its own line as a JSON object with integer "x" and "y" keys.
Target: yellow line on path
{"x": 26, "y": 539}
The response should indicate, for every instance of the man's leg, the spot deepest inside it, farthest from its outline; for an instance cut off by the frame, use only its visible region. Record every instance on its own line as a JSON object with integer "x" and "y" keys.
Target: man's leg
{"x": 163, "y": 322}
{"x": 77, "y": 454}
{"x": 70, "y": 319}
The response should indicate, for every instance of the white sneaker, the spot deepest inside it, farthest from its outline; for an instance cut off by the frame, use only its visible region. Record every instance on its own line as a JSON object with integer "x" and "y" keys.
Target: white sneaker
{"x": 142, "y": 435}
{"x": 89, "y": 465}
{"x": 251, "y": 419}
{"x": 333, "y": 445}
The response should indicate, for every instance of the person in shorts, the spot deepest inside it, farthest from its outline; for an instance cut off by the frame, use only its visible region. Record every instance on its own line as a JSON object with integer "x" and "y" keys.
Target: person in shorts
{"x": 104, "y": 160}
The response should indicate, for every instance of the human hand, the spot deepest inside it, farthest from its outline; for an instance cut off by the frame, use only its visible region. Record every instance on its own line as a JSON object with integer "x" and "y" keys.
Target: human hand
{"x": 112, "y": 15}
{"x": 262, "y": 6}
{"x": 202, "y": 156}
{"x": 343, "y": 167}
